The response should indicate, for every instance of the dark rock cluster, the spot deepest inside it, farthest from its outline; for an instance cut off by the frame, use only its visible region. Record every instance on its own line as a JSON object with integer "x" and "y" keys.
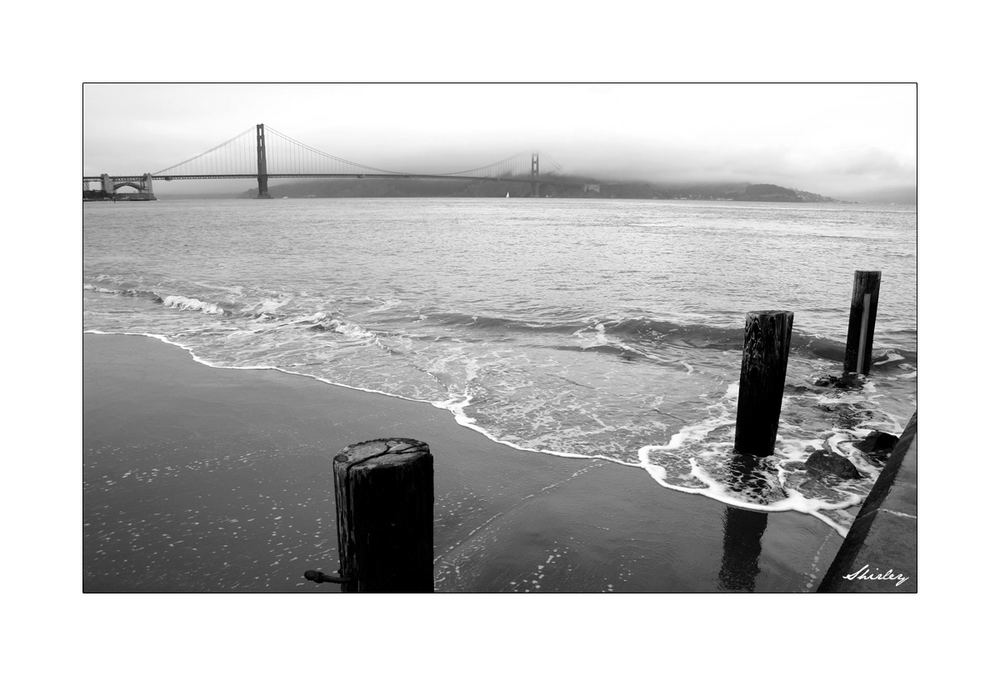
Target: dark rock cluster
{"x": 877, "y": 445}
{"x": 827, "y": 463}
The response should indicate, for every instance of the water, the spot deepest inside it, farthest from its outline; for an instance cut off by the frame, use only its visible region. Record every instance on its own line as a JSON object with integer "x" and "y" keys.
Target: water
{"x": 585, "y": 328}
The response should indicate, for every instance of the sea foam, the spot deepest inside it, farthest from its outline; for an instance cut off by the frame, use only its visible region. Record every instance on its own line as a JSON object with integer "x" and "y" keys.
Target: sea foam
{"x": 185, "y": 303}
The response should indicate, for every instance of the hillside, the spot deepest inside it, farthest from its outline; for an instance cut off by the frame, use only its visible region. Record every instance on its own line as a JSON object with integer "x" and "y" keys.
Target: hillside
{"x": 568, "y": 186}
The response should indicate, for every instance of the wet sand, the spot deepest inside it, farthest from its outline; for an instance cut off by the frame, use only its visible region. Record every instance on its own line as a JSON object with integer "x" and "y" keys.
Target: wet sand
{"x": 205, "y": 479}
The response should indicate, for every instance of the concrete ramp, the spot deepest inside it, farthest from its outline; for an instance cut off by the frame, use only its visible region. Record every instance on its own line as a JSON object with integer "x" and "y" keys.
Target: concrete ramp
{"x": 879, "y": 553}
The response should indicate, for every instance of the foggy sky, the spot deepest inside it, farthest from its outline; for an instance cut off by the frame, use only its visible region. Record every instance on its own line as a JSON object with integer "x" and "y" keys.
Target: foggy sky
{"x": 838, "y": 140}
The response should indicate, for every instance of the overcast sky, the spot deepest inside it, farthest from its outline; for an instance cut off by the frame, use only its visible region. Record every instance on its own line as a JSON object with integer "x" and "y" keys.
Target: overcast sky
{"x": 839, "y": 140}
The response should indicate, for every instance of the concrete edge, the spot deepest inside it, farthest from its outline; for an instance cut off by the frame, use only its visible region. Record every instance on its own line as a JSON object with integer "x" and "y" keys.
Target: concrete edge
{"x": 847, "y": 560}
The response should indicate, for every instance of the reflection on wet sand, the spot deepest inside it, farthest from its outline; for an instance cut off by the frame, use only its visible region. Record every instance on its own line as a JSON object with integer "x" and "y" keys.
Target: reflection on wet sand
{"x": 742, "y": 532}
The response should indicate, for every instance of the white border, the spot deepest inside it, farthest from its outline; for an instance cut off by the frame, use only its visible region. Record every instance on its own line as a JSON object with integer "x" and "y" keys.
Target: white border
{"x": 55, "y": 628}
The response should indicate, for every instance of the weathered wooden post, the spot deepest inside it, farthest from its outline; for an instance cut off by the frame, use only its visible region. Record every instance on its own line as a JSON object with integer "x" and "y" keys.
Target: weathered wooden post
{"x": 766, "y": 340}
{"x": 384, "y": 491}
{"x": 861, "y": 330}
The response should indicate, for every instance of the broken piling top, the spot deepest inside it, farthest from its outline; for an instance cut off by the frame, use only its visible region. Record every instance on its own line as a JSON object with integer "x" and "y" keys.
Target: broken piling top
{"x": 384, "y": 490}
{"x": 766, "y": 340}
{"x": 380, "y": 453}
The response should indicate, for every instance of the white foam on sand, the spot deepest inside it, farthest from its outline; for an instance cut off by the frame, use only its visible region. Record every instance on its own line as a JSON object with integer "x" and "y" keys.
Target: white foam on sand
{"x": 695, "y": 442}
{"x": 795, "y": 502}
{"x": 457, "y": 409}
{"x": 456, "y": 406}
{"x": 206, "y": 362}
{"x": 710, "y": 488}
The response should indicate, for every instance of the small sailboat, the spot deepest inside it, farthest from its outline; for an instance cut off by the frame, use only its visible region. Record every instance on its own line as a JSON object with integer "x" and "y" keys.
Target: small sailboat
{"x": 508, "y": 194}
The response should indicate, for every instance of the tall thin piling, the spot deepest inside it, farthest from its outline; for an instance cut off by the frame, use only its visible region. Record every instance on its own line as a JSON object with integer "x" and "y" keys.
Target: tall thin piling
{"x": 766, "y": 339}
{"x": 861, "y": 329}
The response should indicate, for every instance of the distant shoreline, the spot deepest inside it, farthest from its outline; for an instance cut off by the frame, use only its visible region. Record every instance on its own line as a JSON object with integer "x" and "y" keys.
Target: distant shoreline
{"x": 565, "y": 187}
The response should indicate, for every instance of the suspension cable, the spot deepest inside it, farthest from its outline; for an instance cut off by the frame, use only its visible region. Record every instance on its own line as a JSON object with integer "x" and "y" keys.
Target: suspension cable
{"x": 485, "y": 166}
{"x": 507, "y": 164}
{"x": 192, "y": 159}
{"x": 329, "y": 156}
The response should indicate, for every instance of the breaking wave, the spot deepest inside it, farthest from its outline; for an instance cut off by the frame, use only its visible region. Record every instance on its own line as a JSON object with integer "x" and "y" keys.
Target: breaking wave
{"x": 629, "y": 337}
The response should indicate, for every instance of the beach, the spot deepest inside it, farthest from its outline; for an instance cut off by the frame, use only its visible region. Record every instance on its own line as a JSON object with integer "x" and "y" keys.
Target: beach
{"x": 596, "y": 329}
{"x": 219, "y": 479}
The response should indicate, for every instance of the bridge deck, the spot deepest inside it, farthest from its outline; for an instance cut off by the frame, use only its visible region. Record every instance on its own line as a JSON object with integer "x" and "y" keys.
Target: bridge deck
{"x": 186, "y": 177}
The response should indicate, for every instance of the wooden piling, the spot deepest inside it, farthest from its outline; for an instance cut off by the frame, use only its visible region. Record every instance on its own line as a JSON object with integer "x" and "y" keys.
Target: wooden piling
{"x": 861, "y": 330}
{"x": 384, "y": 491}
{"x": 766, "y": 339}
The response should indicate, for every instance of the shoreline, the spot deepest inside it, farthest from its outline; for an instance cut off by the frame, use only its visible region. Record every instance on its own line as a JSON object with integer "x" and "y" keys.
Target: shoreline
{"x": 155, "y": 494}
{"x": 459, "y": 417}
{"x": 456, "y": 409}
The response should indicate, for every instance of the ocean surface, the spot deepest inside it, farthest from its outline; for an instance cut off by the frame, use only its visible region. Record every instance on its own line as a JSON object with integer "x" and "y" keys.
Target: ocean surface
{"x": 583, "y": 328}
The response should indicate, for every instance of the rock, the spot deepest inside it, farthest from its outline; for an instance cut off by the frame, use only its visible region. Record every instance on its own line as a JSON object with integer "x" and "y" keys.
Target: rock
{"x": 877, "y": 445}
{"x": 849, "y": 416}
{"x": 827, "y": 462}
{"x": 845, "y": 382}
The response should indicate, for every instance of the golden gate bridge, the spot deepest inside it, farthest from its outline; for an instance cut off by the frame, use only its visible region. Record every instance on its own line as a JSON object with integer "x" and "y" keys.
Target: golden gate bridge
{"x": 264, "y": 153}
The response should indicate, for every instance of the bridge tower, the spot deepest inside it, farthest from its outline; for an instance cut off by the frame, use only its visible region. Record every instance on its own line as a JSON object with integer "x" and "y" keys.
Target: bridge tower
{"x": 261, "y": 165}
{"x": 534, "y": 174}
